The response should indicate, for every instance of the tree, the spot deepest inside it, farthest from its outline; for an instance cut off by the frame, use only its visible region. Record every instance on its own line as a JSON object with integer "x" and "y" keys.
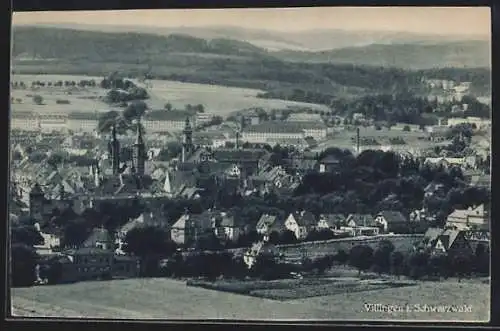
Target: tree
{"x": 75, "y": 232}
{"x": 26, "y": 235}
{"x": 135, "y": 110}
{"x": 397, "y": 263}
{"x": 461, "y": 265}
{"x": 341, "y": 257}
{"x": 406, "y": 128}
{"x": 418, "y": 264}
{"x": 168, "y": 106}
{"x": 361, "y": 257}
{"x": 23, "y": 263}
{"x": 382, "y": 256}
{"x": 437, "y": 265}
{"x": 38, "y": 99}
{"x": 482, "y": 259}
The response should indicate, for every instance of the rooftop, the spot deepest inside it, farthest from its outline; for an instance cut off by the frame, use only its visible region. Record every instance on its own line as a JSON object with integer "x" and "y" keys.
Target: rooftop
{"x": 284, "y": 127}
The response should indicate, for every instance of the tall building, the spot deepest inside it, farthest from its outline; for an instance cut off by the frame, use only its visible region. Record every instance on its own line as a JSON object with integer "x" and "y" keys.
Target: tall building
{"x": 139, "y": 152}
{"x": 187, "y": 140}
{"x": 36, "y": 199}
{"x": 114, "y": 151}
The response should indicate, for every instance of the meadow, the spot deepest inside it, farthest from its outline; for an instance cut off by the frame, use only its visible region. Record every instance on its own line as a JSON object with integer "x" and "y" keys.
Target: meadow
{"x": 161, "y": 298}
{"x": 217, "y": 99}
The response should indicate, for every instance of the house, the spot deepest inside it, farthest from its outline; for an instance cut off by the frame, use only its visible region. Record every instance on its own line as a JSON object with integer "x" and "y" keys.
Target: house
{"x": 434, "y": 189}
{"x": 260, "y": 249}
{"x": 121, "y": 233}
{"x": 190, "y": 228}
{"x": 392, "y": 222}
{"x": 99, "y": 238}
{"x": 330, "y": 221}
{"x": 125, "y": 267}
{"x": 451, "y": 242}
{"x": 227, "y": 227}
{"x": 329, "y": 163}
{"x": 301, "y": 223}
{"x": 358, "y": 220}
{"x": 477, "y": 218}
{"x": 264, "y": 224}
{"x": 87, "y": 263}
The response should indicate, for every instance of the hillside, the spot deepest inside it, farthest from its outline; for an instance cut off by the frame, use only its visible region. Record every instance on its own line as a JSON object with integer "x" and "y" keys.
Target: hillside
{"x": 122, "y": 47}
{"x": 469, "y": 54}
{"x": 234, "y": 63}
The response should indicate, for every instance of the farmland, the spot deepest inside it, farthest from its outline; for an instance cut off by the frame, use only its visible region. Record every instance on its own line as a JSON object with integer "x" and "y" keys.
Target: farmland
{"x": 216, "y": 99}
{"x": 220, "y": 100}
{"x": 171, "y": 299}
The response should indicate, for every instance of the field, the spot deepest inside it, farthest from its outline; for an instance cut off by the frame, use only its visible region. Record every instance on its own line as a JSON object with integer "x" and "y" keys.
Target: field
{"x": 220, "y": 100}
{"x": 216, "y": 99}
{"x": 172, "y": 299}
{"x": 289, "y": 289}
{"x": 81, "y": 99}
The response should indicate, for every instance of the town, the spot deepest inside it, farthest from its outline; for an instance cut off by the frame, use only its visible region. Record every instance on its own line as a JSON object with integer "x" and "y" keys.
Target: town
{"x": 170, "y": 171}
{"x": 101, "y": 197}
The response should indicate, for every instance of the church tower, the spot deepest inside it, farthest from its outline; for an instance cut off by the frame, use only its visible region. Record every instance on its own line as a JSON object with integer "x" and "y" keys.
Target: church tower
{"x": 187, "y": 140}
{"x": 139, "y": 152}
{"x": 114, "y": 151}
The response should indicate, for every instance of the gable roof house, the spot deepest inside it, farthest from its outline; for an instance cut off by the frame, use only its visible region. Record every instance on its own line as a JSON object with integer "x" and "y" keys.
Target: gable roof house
{"x": 393, "y": 221}
{"x": 301, "y": 223}
{"x": 190, "y": 228}
{"x": 331, "y": 221}
{"x": 446, "y": 241}
{"x": 469, "y": 219}
{"x": 227, "y": 226}
{"x": 265, "y": 222}
{"x": 258, "y": 249}
{"x": 99, "y": 238}
{"x": 360, "y": 220}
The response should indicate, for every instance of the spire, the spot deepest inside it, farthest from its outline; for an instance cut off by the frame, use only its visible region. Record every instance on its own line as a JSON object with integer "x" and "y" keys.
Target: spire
{"x": 139, "y": 152}
{"x": 114, "y": 151}
{"x": 138, "y": 138}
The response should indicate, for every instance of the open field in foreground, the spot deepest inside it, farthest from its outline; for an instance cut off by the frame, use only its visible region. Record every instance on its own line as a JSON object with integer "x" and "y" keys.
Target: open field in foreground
{"x": 172, "y": 299}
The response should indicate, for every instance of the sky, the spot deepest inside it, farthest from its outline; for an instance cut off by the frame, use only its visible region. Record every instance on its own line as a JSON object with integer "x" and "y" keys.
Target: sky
{"x": 425, "y": 20}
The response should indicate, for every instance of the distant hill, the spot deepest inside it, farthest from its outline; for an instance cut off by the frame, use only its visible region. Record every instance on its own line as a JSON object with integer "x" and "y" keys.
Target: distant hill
{"x": 309, "y": 40}
{"x": 121, "y": 47}
{"x": 162, "y": 46}
{"x": 468, "y": 54}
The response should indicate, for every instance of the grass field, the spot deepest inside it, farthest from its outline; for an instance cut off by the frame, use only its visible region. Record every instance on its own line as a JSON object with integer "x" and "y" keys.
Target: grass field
{"x": 220, "y": 100}
{"x": 172, "y": 299}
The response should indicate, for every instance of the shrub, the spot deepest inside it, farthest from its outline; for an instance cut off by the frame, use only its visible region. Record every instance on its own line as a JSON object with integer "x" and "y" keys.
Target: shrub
{"x": 37, "y": 99}
{"x": 62, "y": 102}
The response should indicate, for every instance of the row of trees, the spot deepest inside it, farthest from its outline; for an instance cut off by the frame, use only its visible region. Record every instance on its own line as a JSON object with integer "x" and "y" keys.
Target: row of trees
{"x": 418, "y": 263}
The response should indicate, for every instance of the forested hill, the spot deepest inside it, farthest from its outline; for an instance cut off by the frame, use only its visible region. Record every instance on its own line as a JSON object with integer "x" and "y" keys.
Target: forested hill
{"x": 126, "y": 47}
{"x": 408, "y": 56}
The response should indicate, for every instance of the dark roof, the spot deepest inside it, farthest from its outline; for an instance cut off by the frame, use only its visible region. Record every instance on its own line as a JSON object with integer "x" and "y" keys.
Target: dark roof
{"x": 266, "y": 219}
{"x": 361, "y": 219}
{"x": 37, "y": 189}
{"x": 97, "y": 235}
{"x": 333, "y": 219}
{"x": 83, "y": 116}
{"x": 284, "y": 127}
{"x": 247, "y": 154}
{"x": 305, "y": 218}
{"x": 167, "y": 115}
{"x": 393, "y": 216}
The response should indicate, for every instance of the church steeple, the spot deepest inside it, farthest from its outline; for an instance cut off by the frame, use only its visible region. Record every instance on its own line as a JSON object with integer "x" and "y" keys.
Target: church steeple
{"x": 139, "y": 152}
{"x": 187, "y": 141}
{"x": 114, "y": 150}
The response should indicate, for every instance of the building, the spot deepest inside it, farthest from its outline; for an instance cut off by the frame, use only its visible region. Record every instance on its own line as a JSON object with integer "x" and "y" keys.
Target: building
{"x": 477, "y": 218}
{"x": 26, "y": 121}
{"x": 156, "y": 121}
{"x": 477, "y": 122}
{"x": 190, "y": 228}
{"x": 87, "y": 263}
{"x": 305, "y": 117}
{"x": 260, "y": 249}
{"x": 360, "y": 225}
{"x": 83, "y": 121}
{"x": 301, "y": 223}
{"x": 274, "y": 130}
{"x": 265, "y": 223}
{"x": 330, "y": 221}
{"x": 53, "y": 122}
{"x": 446, "y": 242}
{"x": 392, "y": 222}
{"x": 203, "y": 118}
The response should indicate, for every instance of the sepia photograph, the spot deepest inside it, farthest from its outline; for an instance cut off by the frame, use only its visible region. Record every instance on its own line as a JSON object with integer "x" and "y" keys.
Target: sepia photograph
{"x": 278, "y": 164}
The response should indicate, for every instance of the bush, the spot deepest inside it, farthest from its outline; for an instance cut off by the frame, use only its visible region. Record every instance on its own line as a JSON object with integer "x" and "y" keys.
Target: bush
{"x": 62, "y": 102}
{"x": 37, "y": 99}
